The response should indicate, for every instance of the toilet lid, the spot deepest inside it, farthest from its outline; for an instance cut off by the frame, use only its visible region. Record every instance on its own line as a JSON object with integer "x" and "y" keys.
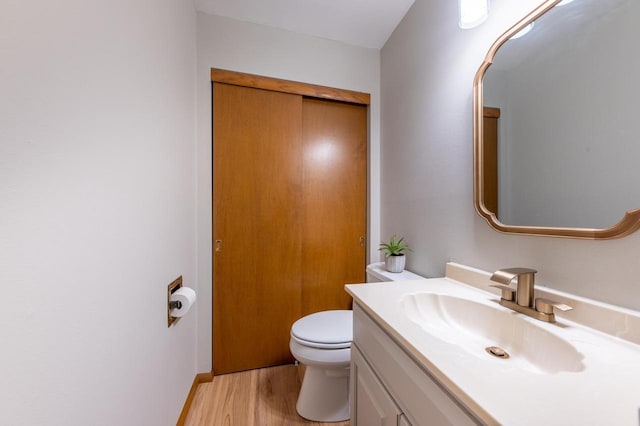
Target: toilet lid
{"x": 326, "y": 328}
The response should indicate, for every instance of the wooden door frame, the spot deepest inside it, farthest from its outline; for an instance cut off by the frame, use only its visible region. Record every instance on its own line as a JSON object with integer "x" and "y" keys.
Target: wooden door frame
{"x": 490, "y": 158}
{"x": 278, "y": 85}
{"x": 288, "y": 86}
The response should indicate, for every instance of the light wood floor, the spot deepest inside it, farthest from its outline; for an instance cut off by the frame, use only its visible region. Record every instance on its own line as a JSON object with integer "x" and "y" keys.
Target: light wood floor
{"x": 264, "y": 397}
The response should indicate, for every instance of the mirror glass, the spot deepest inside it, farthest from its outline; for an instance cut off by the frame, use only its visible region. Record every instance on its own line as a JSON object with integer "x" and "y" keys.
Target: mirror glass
{"x": 561, "y": 108}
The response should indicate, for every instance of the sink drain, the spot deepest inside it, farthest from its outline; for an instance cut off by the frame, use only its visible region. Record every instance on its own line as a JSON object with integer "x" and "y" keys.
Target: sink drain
{"x": 497, "y": 352}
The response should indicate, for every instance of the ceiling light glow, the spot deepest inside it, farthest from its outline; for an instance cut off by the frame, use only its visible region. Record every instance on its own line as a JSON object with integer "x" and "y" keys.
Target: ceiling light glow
{"x": 522, "y": 32}
{"x": 472, "y": 12}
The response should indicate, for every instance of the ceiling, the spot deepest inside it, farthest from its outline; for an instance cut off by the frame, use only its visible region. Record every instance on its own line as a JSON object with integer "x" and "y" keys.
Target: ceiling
{"x": 366, "y": 23}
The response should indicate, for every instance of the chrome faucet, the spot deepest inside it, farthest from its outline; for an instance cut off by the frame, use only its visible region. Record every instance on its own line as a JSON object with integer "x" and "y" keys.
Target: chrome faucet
{"x": 521, "y": 299}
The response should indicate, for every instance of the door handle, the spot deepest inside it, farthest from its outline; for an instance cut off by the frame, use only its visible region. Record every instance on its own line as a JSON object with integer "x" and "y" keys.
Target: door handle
{"x": 218, "y": 245}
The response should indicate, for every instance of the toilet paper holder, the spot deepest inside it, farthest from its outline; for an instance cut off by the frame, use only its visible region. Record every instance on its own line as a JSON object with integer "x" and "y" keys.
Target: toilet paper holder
{"x": 177, "y": 305}
{"x": 172, "y": 288}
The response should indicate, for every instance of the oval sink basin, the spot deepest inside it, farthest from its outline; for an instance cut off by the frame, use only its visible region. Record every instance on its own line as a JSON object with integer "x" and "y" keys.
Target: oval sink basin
{"x": 475, "y": 326}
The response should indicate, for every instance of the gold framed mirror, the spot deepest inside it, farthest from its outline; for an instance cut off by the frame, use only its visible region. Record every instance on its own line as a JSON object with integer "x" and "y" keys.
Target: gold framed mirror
{"x": 554, "y": 119}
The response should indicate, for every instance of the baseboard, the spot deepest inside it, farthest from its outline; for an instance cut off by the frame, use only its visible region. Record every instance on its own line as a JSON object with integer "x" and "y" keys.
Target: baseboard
{"x": 200, "y": 378}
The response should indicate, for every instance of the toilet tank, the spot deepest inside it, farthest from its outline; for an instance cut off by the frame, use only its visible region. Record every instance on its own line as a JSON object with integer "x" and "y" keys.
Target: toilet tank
{"x": 376, "y": 273}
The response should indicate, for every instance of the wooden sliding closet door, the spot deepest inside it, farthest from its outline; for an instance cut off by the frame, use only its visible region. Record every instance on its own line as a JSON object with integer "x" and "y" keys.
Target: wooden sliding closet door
{"x": 334, "y": 202}
{"x": 257, "y": 225}
{"x": 289, "y": 211}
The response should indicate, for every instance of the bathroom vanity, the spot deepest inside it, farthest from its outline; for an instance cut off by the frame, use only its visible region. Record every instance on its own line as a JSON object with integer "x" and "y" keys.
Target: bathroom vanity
{"x": 421, "y": 356}
{"x": 388, "y": 387}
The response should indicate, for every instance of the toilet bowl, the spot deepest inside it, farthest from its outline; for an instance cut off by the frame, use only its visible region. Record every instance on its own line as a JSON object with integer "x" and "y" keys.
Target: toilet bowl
{"x": 322, "y": 342}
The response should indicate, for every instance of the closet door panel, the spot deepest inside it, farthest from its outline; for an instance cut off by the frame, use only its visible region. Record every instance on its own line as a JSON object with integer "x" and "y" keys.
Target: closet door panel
{"x": 334, "y": 202}
{"x": 490, "y": 124}
{"x": 257, "y": 227}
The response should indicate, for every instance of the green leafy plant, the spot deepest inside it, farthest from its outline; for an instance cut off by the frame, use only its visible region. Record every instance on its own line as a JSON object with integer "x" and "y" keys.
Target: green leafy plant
{"x": 395, "y": 247}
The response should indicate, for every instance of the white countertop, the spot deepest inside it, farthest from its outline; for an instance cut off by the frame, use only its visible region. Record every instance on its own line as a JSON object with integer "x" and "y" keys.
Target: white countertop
{"x": 605, "y": 392}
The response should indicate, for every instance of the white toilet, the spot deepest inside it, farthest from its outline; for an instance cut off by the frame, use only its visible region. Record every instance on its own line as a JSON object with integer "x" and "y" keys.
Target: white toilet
{"x": 376, "y": 272}
{"x": 322, "y": 341}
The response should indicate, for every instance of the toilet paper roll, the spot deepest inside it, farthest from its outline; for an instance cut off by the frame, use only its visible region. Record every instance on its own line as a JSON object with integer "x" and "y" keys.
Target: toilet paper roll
{"x": 187, "y": 297}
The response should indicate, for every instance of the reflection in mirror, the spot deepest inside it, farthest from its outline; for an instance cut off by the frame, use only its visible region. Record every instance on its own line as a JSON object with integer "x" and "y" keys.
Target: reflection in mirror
{"x": 559, "y": 105}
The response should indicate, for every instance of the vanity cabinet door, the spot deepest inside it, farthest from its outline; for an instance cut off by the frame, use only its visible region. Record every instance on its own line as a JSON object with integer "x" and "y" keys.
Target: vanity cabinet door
{"x": 371, "y": 404}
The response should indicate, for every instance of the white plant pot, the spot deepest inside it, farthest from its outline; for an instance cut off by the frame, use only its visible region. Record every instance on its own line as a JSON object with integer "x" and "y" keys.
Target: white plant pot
{"x": 395, "y": 263}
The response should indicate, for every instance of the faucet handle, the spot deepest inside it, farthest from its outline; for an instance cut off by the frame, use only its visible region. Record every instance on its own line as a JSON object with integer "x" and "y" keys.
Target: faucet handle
{"x": 508, "y": 293}
{"x": 506, "y": 275}
{"x": 546, "y": 306}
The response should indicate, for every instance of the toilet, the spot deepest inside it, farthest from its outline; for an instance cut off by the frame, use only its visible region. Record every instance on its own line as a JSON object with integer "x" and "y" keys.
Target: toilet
{"x": 322, "y": 342}
{"x": 376, "y": 272}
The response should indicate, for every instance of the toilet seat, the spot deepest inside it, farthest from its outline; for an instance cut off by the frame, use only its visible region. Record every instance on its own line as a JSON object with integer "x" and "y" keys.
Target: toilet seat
{"x": 320, "y": 345}
{"x": 324, "y": 330}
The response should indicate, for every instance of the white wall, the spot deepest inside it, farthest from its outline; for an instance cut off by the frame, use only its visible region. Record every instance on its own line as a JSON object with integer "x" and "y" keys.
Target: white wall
{"x": 427, "y": 71}
{"x": 97, "y": 210}
{"x": 256, "y": 49}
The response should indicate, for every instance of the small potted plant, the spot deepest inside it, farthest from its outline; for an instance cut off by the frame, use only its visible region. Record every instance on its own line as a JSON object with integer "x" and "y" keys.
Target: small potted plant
{"x": 394, "y": 254}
